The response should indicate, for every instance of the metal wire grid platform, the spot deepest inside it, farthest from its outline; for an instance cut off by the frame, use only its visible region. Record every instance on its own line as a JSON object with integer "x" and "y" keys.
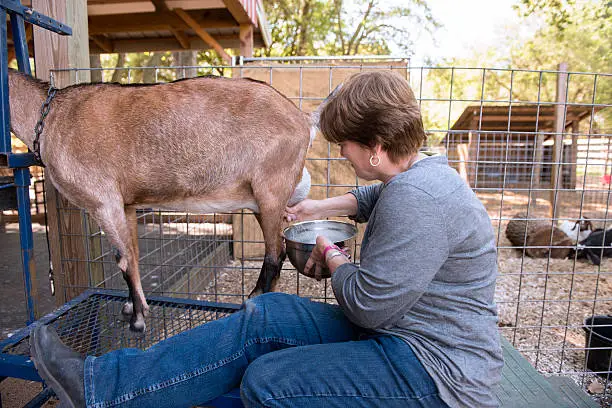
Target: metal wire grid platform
{"x": 92, "y": 324}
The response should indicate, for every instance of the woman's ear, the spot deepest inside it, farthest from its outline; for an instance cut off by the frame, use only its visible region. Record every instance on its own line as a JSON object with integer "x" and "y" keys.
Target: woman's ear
{"x": 377, "y": 149}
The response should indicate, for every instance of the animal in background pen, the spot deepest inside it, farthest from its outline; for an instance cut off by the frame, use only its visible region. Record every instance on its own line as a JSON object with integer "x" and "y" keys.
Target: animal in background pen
{"x": 203, "y": 145}
{"x": 596, "y": 246}
{"x": 578, "y": 231}
{"x": 539, "y": 238}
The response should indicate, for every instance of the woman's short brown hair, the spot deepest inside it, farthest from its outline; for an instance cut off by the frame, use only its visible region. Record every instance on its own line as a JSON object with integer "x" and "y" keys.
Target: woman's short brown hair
{"x": 375, "y": 108}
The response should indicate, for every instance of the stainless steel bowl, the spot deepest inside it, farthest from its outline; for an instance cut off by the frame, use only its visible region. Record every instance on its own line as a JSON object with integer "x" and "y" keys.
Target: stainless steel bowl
{"x": 301, "y": 238}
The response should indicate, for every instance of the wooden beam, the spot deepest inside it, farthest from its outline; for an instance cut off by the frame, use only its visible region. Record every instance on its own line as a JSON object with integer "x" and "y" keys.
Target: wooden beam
{"x": 165, "y": 44}
{"x": 147, "y": 22}
{"x": 160, "y": 5}
{"x": 521, "y": 118}
{"x": 119, "y": 8}
{"x": 181, "y": 37}
{"x": 101, "y": 2}
{"x": 237, "y": 10}
{"x": 203, "y": 34}
{"x": 53, "y": 51}
{"x": 103, "y": 42}
{"x": 246, "y": 40}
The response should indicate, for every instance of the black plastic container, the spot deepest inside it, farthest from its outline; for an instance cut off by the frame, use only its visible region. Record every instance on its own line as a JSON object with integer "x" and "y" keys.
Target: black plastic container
{"x": 596, "y": 337}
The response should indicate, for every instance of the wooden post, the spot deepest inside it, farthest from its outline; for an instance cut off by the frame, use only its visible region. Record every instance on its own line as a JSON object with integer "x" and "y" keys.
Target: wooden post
{"x": 556, "y": 176}
{"x": 475, "y": 143}
{"x": 246, "y": 40}
{"x": 574, "y": 154}
{"x": 52, "y": 51}
{"x": 539, "y": 154}
{"x": 464, "y": 157}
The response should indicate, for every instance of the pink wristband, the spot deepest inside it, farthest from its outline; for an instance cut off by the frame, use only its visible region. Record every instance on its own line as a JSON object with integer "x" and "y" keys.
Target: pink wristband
{"x": 327, "y": 248}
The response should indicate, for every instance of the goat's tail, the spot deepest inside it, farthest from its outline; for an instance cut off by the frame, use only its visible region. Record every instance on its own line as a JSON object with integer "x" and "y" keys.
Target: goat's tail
{"x": 303, "y": 188}
{"x": 315, "y": 116}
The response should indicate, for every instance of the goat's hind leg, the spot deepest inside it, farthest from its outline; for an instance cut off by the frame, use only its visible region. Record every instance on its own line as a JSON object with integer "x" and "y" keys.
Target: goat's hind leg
{"x": 130, "y": 214}
{"x": 119, "y": 224}
{"x": 270, "y": 220}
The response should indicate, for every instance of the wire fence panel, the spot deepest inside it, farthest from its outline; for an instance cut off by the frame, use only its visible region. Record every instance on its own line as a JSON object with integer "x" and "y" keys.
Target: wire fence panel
{"x": 531, "y": 145}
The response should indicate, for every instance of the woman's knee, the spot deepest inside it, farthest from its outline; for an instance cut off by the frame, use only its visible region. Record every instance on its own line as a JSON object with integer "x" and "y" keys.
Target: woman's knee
{"x": 270, "y": 305}
{"x": 255, "y": 388}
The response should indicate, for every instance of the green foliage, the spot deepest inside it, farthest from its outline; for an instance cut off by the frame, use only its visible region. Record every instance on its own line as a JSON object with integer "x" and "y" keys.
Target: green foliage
{"x": 344, "y": 27}
{"x": 558, "y": 13}
{"x": 582, "y": 39}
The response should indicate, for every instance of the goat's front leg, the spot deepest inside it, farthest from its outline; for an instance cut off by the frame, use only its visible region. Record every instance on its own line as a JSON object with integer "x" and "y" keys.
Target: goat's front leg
{"x": 270, "y": 221}
{"x": 119, "y": 224}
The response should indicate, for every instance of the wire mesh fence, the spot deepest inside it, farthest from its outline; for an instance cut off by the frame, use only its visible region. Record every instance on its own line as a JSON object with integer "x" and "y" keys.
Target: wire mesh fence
{"x": 533, "y": 145}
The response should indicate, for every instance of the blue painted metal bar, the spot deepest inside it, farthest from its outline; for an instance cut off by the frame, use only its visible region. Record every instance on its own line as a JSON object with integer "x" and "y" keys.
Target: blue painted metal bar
{"x": 16, "y": 366}
{"x": 34, "y": 17}
{"x": 5, "y": 135}
{"x": 22, "y": 181}
{"x": 7, "y": 186}
{"x": 15, "y": 160}
{"x": 21, "y": 43}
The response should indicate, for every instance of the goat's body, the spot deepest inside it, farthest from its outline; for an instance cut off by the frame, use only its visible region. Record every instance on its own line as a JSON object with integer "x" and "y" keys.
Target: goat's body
{"x": 172, "y": 136}
{"x": 200, "y": 145}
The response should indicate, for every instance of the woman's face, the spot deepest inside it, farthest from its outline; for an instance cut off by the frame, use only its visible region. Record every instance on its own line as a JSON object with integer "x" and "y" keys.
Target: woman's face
{"x": 359, "y": 156}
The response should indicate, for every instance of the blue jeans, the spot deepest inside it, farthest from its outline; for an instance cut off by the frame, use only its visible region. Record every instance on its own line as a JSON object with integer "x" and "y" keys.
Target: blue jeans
{"x": 282, "y": 350}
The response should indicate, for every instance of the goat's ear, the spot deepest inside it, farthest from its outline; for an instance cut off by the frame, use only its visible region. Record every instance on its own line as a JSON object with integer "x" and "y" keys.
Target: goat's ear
{"x": 592, "y": 256}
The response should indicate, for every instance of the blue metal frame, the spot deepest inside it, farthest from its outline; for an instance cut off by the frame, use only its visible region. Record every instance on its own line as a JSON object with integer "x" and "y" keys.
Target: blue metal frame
{"x": 20, "y": 162}
{"x": 16, "y": 366}
{"x": 20, "y": 366}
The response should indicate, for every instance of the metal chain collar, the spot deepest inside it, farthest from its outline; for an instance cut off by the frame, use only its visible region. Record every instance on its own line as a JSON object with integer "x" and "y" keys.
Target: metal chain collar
{"x": 40, "y": 125}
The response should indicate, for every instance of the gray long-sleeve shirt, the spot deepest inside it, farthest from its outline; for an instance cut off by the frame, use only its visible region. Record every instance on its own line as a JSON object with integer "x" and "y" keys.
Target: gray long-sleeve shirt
{"x": 427, "y": 274}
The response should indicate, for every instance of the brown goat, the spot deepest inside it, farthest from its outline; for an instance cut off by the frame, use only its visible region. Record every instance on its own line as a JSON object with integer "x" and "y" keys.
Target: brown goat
{"x": 203, "y": 145}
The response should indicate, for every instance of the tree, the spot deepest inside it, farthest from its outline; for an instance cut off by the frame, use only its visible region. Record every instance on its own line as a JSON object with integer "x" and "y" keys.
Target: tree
{"x": 582, "y": 40}
{"x": 345, "y": 27}
{"x": 558, "y": 13}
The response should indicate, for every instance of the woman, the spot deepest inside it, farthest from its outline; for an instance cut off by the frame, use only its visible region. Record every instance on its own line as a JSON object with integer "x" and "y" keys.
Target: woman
{"x": 416, "y": 322}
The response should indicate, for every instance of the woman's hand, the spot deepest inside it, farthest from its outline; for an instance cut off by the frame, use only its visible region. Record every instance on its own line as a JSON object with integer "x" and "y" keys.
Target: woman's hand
{"x": 317, "y": 260}
{"x": 304, "y": 210}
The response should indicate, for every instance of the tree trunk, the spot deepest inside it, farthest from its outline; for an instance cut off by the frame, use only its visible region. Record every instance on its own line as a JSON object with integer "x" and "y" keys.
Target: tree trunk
{"x": 94, "y": 62}
{"x": 148, "y": 76}
{"x": 185, "y": 59}
{"x": 118, "y": 73}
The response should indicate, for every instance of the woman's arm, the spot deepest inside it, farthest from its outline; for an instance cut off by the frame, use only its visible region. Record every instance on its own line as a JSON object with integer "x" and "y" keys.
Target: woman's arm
{"x": 316, "y": 209}
{"x": 357, "y": 204}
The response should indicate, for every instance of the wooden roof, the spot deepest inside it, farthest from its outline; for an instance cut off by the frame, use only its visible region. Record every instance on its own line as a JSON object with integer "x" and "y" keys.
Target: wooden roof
{"x": 522, "y": 118}
{"x": 172, "y": 25}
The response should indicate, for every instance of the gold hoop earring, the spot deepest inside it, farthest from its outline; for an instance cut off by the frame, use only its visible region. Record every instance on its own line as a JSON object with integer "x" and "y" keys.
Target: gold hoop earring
{"x": 372, "y": 157}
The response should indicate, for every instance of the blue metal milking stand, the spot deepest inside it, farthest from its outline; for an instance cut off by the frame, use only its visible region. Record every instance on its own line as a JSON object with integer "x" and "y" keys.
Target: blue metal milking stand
{"x": 20, "y": 162}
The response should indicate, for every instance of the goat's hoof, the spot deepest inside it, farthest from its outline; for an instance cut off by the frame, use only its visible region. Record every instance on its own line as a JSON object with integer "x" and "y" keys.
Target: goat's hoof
{"x": 138, "y": 325}
{"x": 127, "y": 310}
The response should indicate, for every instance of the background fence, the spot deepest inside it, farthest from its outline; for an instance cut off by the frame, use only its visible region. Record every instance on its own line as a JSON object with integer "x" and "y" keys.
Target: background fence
{"x": 531, "y": 144}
